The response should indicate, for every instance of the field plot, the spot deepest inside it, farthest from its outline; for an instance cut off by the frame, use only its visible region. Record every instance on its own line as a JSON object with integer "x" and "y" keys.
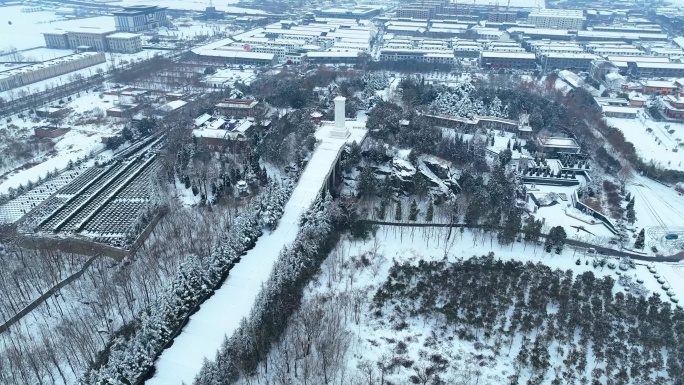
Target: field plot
{"x": 402, "y": 342}
{"x": 652, "y": 140}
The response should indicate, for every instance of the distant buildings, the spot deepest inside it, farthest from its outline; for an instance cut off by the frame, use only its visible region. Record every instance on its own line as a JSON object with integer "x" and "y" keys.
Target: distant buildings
{"x": 93, "y": 39}
{"x": 32, "y": 73}
{"x": 357, "y": 12}
{"x": 557, "y": 18}
{"x": 518, "y": 60}
{"x": 139, "y": 18}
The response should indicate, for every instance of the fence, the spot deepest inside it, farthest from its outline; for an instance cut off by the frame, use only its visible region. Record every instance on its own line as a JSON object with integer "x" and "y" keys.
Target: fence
{"x": 45, "y": 296}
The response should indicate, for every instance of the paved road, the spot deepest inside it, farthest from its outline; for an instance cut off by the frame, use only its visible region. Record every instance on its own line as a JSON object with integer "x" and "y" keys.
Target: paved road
{"x": 600, "y": 249}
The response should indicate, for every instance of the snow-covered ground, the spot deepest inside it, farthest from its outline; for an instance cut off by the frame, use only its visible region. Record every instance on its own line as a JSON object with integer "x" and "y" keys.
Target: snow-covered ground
{"x": 660, "y": 210}
{"x": 81, "y": 141}
{"x": 73, "y": 145}
{"x": 656, "y": 145}
{"x": 562, "y": 214}
{"x": 221, "y": 314}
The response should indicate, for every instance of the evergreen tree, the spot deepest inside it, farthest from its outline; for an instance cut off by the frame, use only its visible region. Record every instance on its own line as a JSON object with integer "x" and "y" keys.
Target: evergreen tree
{"x": 555, "y": 239}
{"x": 381, "y": 212}
{"x": 366, "y": 186}
{"x": 430, "y": 212}
{"x": 397, "y": 212}
{"x": 631, "y": 216}
{"x": 413, "y": 211}
{"x": 511, "y": 228}
{"x": 641, "y": 238}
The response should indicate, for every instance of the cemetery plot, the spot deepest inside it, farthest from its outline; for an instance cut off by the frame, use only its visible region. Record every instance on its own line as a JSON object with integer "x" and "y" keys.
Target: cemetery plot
{"x": 109, "y": 203}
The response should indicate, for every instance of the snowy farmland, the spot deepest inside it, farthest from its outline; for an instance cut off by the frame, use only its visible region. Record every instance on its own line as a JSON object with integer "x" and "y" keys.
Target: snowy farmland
{"x": 652, "y": 140}
{"x": 396, "y": 346}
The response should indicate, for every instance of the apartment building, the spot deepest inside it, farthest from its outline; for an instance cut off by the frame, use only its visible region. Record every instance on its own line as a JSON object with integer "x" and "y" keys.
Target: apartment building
{"x": 519, "y": 60}
{"x": 557, "y": 18}
{"x": 21, "y": 76}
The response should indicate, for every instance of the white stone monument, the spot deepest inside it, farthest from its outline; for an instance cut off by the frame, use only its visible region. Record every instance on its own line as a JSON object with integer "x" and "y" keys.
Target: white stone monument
{"x": 340, "y": 130}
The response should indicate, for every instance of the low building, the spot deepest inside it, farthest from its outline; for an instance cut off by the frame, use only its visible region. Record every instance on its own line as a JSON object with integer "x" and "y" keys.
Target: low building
{"x": 356, "y": 12}
{"x": 517, "y": 60}
{"x": 579, "y": 61}
{"x": 51, "y": 112}
{"x": 619, "y": 112}
{"x": 331, "y": 57}
{"x": 418, "y": 55}
{"x": 558, "y": 145}
{"x": 237, "y": 107}
{"x": 123, "y": 110}
{"x": 637, "y": 100}
{"x": 664, "y": 70}
{"x": 673, "y": 106}
{"x": 32, "y": 73}
{"x": 50, "y": 132}
{"x": 169, "y": 107}
{"x": 662, "y": 87}
{"x": 124, "y": 42}
{"x": 218, "y": 52}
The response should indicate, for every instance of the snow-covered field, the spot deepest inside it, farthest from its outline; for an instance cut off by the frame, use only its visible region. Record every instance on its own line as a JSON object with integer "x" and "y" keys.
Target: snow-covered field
{"x": 659, "y": 209}
{"x": 221, "y": 314}
{"x": 656, "y": 145}
{"x": 73, "y": 145}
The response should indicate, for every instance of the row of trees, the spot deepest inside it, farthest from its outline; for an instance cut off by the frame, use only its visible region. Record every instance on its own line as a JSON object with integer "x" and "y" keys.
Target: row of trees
{"x": 127, "y": 359}
{"x": 242, "y": 352}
